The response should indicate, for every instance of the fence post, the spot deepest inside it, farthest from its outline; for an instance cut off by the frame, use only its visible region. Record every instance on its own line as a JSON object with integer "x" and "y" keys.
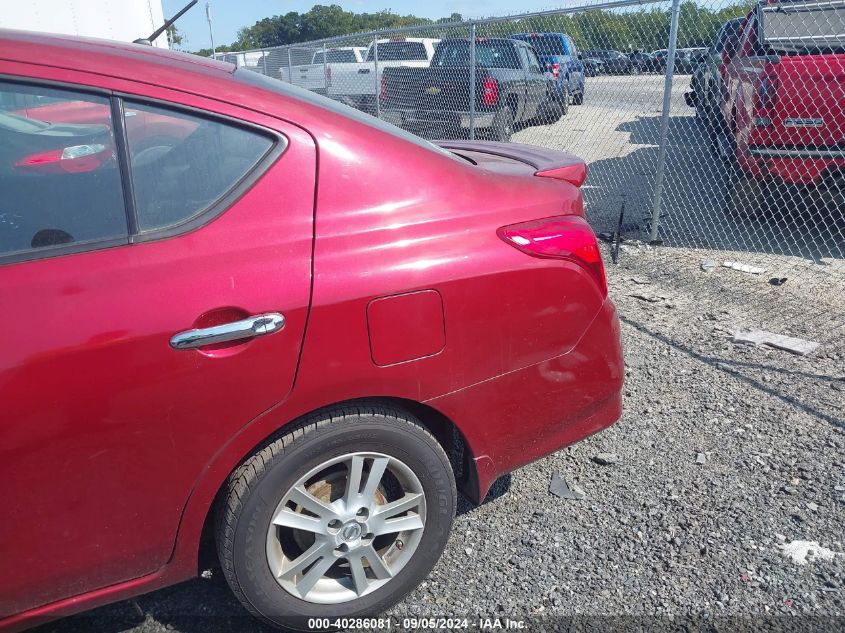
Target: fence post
{"x": 264, "y": 60}
{"x": 472, "y": 79}
{"x": 664, "y": 119}
{"x": 325, "y": 71}
{"x": 376, "y": 79}
{"x": 290, "y": 65}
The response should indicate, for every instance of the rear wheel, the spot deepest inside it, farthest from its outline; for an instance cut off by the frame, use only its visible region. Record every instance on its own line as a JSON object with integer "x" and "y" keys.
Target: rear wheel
{"x": 578, "y": 97}
{"x": 746, "y": 195}
{"x": 502, "y": 129}
{"x": 341, "y": 517}
{"x": 564, "y": 101}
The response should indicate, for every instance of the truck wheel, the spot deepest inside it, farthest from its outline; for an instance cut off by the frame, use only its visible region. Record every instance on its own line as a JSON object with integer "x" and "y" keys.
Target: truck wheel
{"x": 502, "y": 129}
{"x": 564, "y": 101}
{"x": 342, "y": 516}
{"x": 746, "y": 195}
{"x": 578, "y": 97}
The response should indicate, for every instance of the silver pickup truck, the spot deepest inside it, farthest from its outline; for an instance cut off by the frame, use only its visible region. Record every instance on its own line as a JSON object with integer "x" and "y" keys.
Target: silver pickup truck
{"x": 358, "y": 85}
{"x": 316, "y": 76}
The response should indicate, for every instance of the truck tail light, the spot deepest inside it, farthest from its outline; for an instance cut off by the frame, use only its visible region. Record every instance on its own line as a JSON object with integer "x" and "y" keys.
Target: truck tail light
{"x": 72, "y": 160}
{"x": 490, "y": 91}
{"x": 328, "y": 75}
{"x": 566, "y": 237}
{"x": 382, "y": 92}
{"x": 555, "y": 69}
{"x": 767, "y": 90}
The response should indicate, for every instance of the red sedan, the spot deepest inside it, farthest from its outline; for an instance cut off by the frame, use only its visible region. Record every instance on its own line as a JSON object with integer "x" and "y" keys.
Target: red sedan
{"x": 242, "y": 314}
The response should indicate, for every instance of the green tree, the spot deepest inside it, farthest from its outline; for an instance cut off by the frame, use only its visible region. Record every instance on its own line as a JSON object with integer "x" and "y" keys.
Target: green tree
{"x": 174, "y": 37}
{"x": 625, "y": 30}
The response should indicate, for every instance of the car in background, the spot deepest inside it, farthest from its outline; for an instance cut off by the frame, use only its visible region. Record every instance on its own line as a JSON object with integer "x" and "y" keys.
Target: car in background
{"x": 659, "y": 60}
{"x": 612, "y": 62}
{"x": 357, "y": 84}
{"x": 592, "y": 67}
{"x": 687, "y": 60}
{"x": 258, "y": 338}
{"x": 559, "y": 56}
{"x": 253, "y": 60}
{"x": 511, "y": 90}
{"x": 643, "y": 62}
{"x": 706, "y": 84}
{"x": 783, "y": 110}
{"x": 316, "y": 75}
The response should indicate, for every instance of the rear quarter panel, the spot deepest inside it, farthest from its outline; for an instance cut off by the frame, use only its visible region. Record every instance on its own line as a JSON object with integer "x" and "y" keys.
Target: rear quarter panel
{"x": 431, "y": 224}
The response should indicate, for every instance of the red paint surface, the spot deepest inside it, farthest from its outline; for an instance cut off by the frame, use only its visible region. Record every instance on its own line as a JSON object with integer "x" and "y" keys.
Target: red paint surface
{"x": 406, "y": 327}
{"x": 114, "y": 445}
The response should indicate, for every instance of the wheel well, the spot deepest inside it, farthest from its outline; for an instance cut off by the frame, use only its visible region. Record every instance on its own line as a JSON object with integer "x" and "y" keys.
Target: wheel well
{"x": 444, "y": 430}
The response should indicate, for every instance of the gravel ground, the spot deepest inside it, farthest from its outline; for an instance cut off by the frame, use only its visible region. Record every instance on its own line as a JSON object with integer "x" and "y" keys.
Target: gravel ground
{"x": 724, "y": 455}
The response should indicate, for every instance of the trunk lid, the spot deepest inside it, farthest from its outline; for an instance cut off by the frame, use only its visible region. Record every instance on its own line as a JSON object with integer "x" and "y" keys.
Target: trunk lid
{"x": 516, "y": 158}
{"x": 810, "y": 108}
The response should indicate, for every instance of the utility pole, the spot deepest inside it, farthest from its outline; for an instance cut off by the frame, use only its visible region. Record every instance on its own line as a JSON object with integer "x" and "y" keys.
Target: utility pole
{"x": 210, "y": 29}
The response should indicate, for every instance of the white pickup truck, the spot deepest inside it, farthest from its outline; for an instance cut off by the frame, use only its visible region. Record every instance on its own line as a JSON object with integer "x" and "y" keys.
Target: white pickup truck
{"x": 315, "y": 76}
{"x": 358, "y": 84}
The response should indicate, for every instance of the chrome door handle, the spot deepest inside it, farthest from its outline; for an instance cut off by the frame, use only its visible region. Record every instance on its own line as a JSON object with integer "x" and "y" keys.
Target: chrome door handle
{"x": 258, "y": 325}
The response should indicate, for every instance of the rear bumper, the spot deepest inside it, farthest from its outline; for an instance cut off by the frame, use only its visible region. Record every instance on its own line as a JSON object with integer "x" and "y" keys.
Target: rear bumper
{"x": 427, "y": 118}
{"x": 793, "y": 166}
{"x": 519, "y": 417}
{"x": 803, "y": 153}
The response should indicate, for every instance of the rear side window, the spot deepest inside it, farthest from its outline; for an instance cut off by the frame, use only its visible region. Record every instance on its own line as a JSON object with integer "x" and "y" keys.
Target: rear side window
{"x": 398, "y": 52}
{"x": 340, "y": 57}
{"x": 59, "y": 175}
{"x": 488, "y": 54}
{"x": 545, "y": 44}
{"x": 182, "y": 164}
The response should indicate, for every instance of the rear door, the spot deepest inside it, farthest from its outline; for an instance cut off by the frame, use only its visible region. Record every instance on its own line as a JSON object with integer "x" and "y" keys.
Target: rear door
{"x": 109, "y": 415}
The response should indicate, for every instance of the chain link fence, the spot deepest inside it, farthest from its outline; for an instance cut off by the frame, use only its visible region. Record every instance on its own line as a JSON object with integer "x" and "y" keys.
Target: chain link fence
{"x": 715, "y": 130}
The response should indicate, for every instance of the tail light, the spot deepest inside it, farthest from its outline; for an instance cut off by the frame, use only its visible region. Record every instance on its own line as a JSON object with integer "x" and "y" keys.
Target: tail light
{"x": 767, "y": 91}
{"x": 491, "y": 91}
{"x": 328, "y": 75}
{"x": 555, "y": 68}
{"x": 566, "y": 237}
{"x": 72, "y": 160}
{"x": 382, "y": 93}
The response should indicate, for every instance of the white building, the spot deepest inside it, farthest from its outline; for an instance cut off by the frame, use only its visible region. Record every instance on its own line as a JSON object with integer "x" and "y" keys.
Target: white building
{"x": 124, "y": 20}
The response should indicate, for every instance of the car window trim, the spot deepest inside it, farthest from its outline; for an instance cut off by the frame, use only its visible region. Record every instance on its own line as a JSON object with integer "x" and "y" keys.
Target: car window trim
{"x": 118, "y": 116}
{"x": 278, "y": 147}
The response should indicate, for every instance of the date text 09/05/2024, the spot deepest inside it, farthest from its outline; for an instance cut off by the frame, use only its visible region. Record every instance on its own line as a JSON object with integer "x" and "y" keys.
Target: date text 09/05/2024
{"x": 379, "y": 624}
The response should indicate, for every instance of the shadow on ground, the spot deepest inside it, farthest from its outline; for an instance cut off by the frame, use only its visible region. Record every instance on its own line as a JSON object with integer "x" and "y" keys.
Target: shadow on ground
{"x": 694, "y": 209}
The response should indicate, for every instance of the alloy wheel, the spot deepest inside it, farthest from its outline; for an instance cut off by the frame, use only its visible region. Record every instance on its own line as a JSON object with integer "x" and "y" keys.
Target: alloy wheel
{"x": 346, "y": 528}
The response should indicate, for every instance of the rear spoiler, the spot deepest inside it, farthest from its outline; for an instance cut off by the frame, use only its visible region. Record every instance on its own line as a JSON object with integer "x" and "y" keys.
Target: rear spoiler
{"x": 547, "y": 163}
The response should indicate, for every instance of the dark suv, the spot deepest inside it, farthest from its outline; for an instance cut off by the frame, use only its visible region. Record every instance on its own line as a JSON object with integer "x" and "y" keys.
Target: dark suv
{"x": 613, "y": 62}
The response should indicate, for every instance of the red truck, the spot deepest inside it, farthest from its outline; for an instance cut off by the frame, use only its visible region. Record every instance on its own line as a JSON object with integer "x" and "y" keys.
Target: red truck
{"x": 784, "y": 105}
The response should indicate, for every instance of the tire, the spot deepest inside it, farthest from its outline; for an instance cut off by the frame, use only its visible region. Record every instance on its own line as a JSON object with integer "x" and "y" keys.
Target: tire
{"x": 274, "y": 516}
{"x": 724, "y": 143}
{"x": 578, "y": 97}
{"x": 502, "y": 129}
{"x": 746, "y": 195}
{"x": 563, "y": 102}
